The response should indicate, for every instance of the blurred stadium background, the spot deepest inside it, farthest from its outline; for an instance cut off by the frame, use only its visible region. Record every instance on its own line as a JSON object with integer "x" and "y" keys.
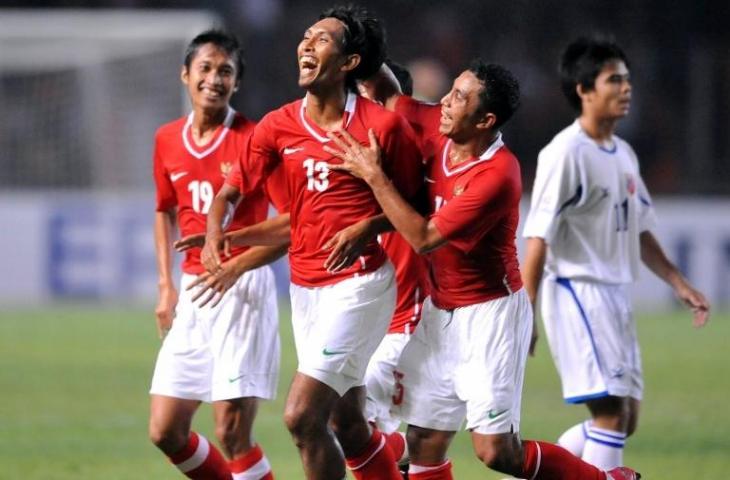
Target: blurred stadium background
{"x": 84, "y": 85}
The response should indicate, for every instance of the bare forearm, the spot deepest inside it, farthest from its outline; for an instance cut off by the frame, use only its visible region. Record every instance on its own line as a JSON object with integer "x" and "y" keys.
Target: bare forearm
{"x": 275, "y": 231}
{"x": 259, "y": 256}
{"x": 654, "y": 258}
{"x": 409, "y": 223}
{"x": 164, "y": 233}
{"x": 533, "y": 266}
{"x": 227, "y": 195}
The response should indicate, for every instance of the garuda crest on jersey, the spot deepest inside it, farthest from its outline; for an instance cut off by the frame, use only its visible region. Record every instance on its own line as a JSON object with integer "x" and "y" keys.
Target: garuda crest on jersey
{"x": 226, "y": 168}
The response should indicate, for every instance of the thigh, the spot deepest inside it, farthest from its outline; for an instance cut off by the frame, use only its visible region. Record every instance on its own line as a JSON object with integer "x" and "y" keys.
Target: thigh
{"x": 494, "y": 343}
{"x": 245, "y": 338}
{"x": 171, "y": 416}
{"x": 424, "y": 389}
{"x": 337, "y": 328}
{"x": 380, "y": 381}
{"x": 184, "y": 363}
{"x": 428, "y": 446}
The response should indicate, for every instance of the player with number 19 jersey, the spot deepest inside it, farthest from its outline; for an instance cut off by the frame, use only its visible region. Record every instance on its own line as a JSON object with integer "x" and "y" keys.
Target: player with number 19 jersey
{"x": 324, "y": 202}
{"x": 188, "y": 177}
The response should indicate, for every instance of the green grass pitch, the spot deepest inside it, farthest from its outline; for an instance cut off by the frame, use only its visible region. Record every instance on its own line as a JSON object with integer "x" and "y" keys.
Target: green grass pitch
{"x": 74, "y": 402}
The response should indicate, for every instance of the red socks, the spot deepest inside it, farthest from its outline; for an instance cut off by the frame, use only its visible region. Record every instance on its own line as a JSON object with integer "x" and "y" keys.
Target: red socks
{"x": 376, "y": 462}
{"x": 546, "y": 461}
{"x": 253, "y": 465}
{"x": 430, "y": 472}
{"x": 200, "y": 460}
{"x": 396, "y": 442}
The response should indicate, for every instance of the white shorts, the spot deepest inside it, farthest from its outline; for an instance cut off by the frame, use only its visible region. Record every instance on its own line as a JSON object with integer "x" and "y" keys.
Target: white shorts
{"x": 230, "y": 351}
{"x": 338, "y": 327}
{"x": 380, "y": 382}
{"x": 592, "y": 336}
{"x": 467, "y": 363}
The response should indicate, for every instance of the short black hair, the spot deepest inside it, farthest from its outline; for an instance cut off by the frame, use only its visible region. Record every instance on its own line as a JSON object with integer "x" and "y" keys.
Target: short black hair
{"x": 221, "y": 39}
{"x": 364, "y": 35}
{"x": 582, "y": 61}
{"x": 402, "y": 75}
{"x": 501, "y": 92}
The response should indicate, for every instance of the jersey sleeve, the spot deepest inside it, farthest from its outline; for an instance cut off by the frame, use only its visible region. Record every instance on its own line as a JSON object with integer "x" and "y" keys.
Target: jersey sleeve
{"x": 165, "y": 193}
{"x": 647, "y": 216}
{"x": 402, "y": 159}
{"x": 557, "y": 188}
{"x": 466, "y": 218}
{"x": 423, "y": 117}
{"x": 260, "y": 157}
{"x": 277, "y": 189}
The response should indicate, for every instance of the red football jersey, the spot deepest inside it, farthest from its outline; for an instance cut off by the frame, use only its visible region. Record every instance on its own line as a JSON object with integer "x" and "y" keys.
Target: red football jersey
{"x": 411, "y": 280}
{"x": 475, "y": 207}
{"x": 323, "y": 202}
{"x": 188, "y": 177}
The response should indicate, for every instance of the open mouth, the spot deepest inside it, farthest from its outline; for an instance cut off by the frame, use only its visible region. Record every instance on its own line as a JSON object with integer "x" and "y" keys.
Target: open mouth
{"x": 211, "y": 92}
{"x": 307, "y": 64}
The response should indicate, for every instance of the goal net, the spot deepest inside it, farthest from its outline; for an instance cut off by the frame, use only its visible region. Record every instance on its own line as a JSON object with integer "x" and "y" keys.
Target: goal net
{"x": 82, "y": 92}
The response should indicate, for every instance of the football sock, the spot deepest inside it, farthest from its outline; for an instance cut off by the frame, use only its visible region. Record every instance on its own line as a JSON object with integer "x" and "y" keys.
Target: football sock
{"x": 546, "y": 461}
{"x": 604, "y": 448}
{"x": 376, "y": 462}
{"x": 396, "y": 441}
{"x": 252, "y": 465}
{"x": 430, "y": 472}
{"x": 200, "y": 460}
{"x": 574, "y": 439}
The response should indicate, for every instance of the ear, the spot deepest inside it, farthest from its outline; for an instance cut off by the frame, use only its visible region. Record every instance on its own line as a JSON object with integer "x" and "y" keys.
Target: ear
{"x": 582, "y": 92}
{"x": 351, "y": 63}
{"x": 487, "y": 121}
{"x": 184, "y": 75}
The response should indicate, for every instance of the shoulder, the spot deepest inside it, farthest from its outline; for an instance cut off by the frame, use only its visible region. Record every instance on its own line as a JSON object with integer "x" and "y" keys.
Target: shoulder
{"x": 376, "y": 114}
{"x": 170, "y": 129}
{"x": 284, "y": 115}
{"x": 625, "y": 146}
{"x": 567, "y": 144}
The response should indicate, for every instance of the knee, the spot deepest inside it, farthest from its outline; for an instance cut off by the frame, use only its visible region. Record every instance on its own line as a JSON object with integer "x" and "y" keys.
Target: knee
{"x": 302, "y": 422}
{"x": 500, "y": 456}
{"x": 167, "y": 438}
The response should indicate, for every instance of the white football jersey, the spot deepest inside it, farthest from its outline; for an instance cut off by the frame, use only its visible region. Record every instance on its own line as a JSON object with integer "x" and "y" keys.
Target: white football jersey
{"x": 589, "y": 204}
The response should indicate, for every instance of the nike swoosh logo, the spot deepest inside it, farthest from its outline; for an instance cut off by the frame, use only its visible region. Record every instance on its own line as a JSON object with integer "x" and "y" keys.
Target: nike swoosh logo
{"x": 429, "y": 180}
{"x": 289, "y": 151}
{"x": 492, "y": 414}
{"x": 177, "y": 176}
{"x": 328, "y": 353}
{"x": 235, "y": 379}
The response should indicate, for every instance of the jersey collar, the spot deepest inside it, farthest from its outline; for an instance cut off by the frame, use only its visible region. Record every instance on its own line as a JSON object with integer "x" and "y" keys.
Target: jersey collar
{"x": 486, "y": 156}
{"x": 227, "y": 122}
{"x": 350, "y": 105}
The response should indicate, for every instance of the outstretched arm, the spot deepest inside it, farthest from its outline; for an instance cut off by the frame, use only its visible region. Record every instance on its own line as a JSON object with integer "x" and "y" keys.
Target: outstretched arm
{"x": 364, "y": 162}
{"x": 654, "y": 258}
{"x": 215, "y": 285}
{"x": 382, "y": 87}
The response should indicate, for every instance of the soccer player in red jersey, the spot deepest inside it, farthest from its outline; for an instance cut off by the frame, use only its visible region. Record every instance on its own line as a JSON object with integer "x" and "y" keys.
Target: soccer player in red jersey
{"x": 339, "y": 316}
{"x": 466, "y": 360}
{"x": 227, "y": 354}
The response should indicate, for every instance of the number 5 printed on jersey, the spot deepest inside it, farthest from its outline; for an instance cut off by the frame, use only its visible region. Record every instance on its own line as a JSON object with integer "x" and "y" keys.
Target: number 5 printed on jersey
{"x": 320, "y": 181}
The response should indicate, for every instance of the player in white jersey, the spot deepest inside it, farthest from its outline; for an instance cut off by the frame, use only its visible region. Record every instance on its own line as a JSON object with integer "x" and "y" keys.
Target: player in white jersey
{"x": 588, "y": 228}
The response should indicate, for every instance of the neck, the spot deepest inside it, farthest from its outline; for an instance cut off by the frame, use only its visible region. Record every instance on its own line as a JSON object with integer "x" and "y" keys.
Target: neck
{"x": 205, "y": 120}
{"x": 474, "y": 147}
{"x": 600, "y": 129}
{"x": 326, "y": 109}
